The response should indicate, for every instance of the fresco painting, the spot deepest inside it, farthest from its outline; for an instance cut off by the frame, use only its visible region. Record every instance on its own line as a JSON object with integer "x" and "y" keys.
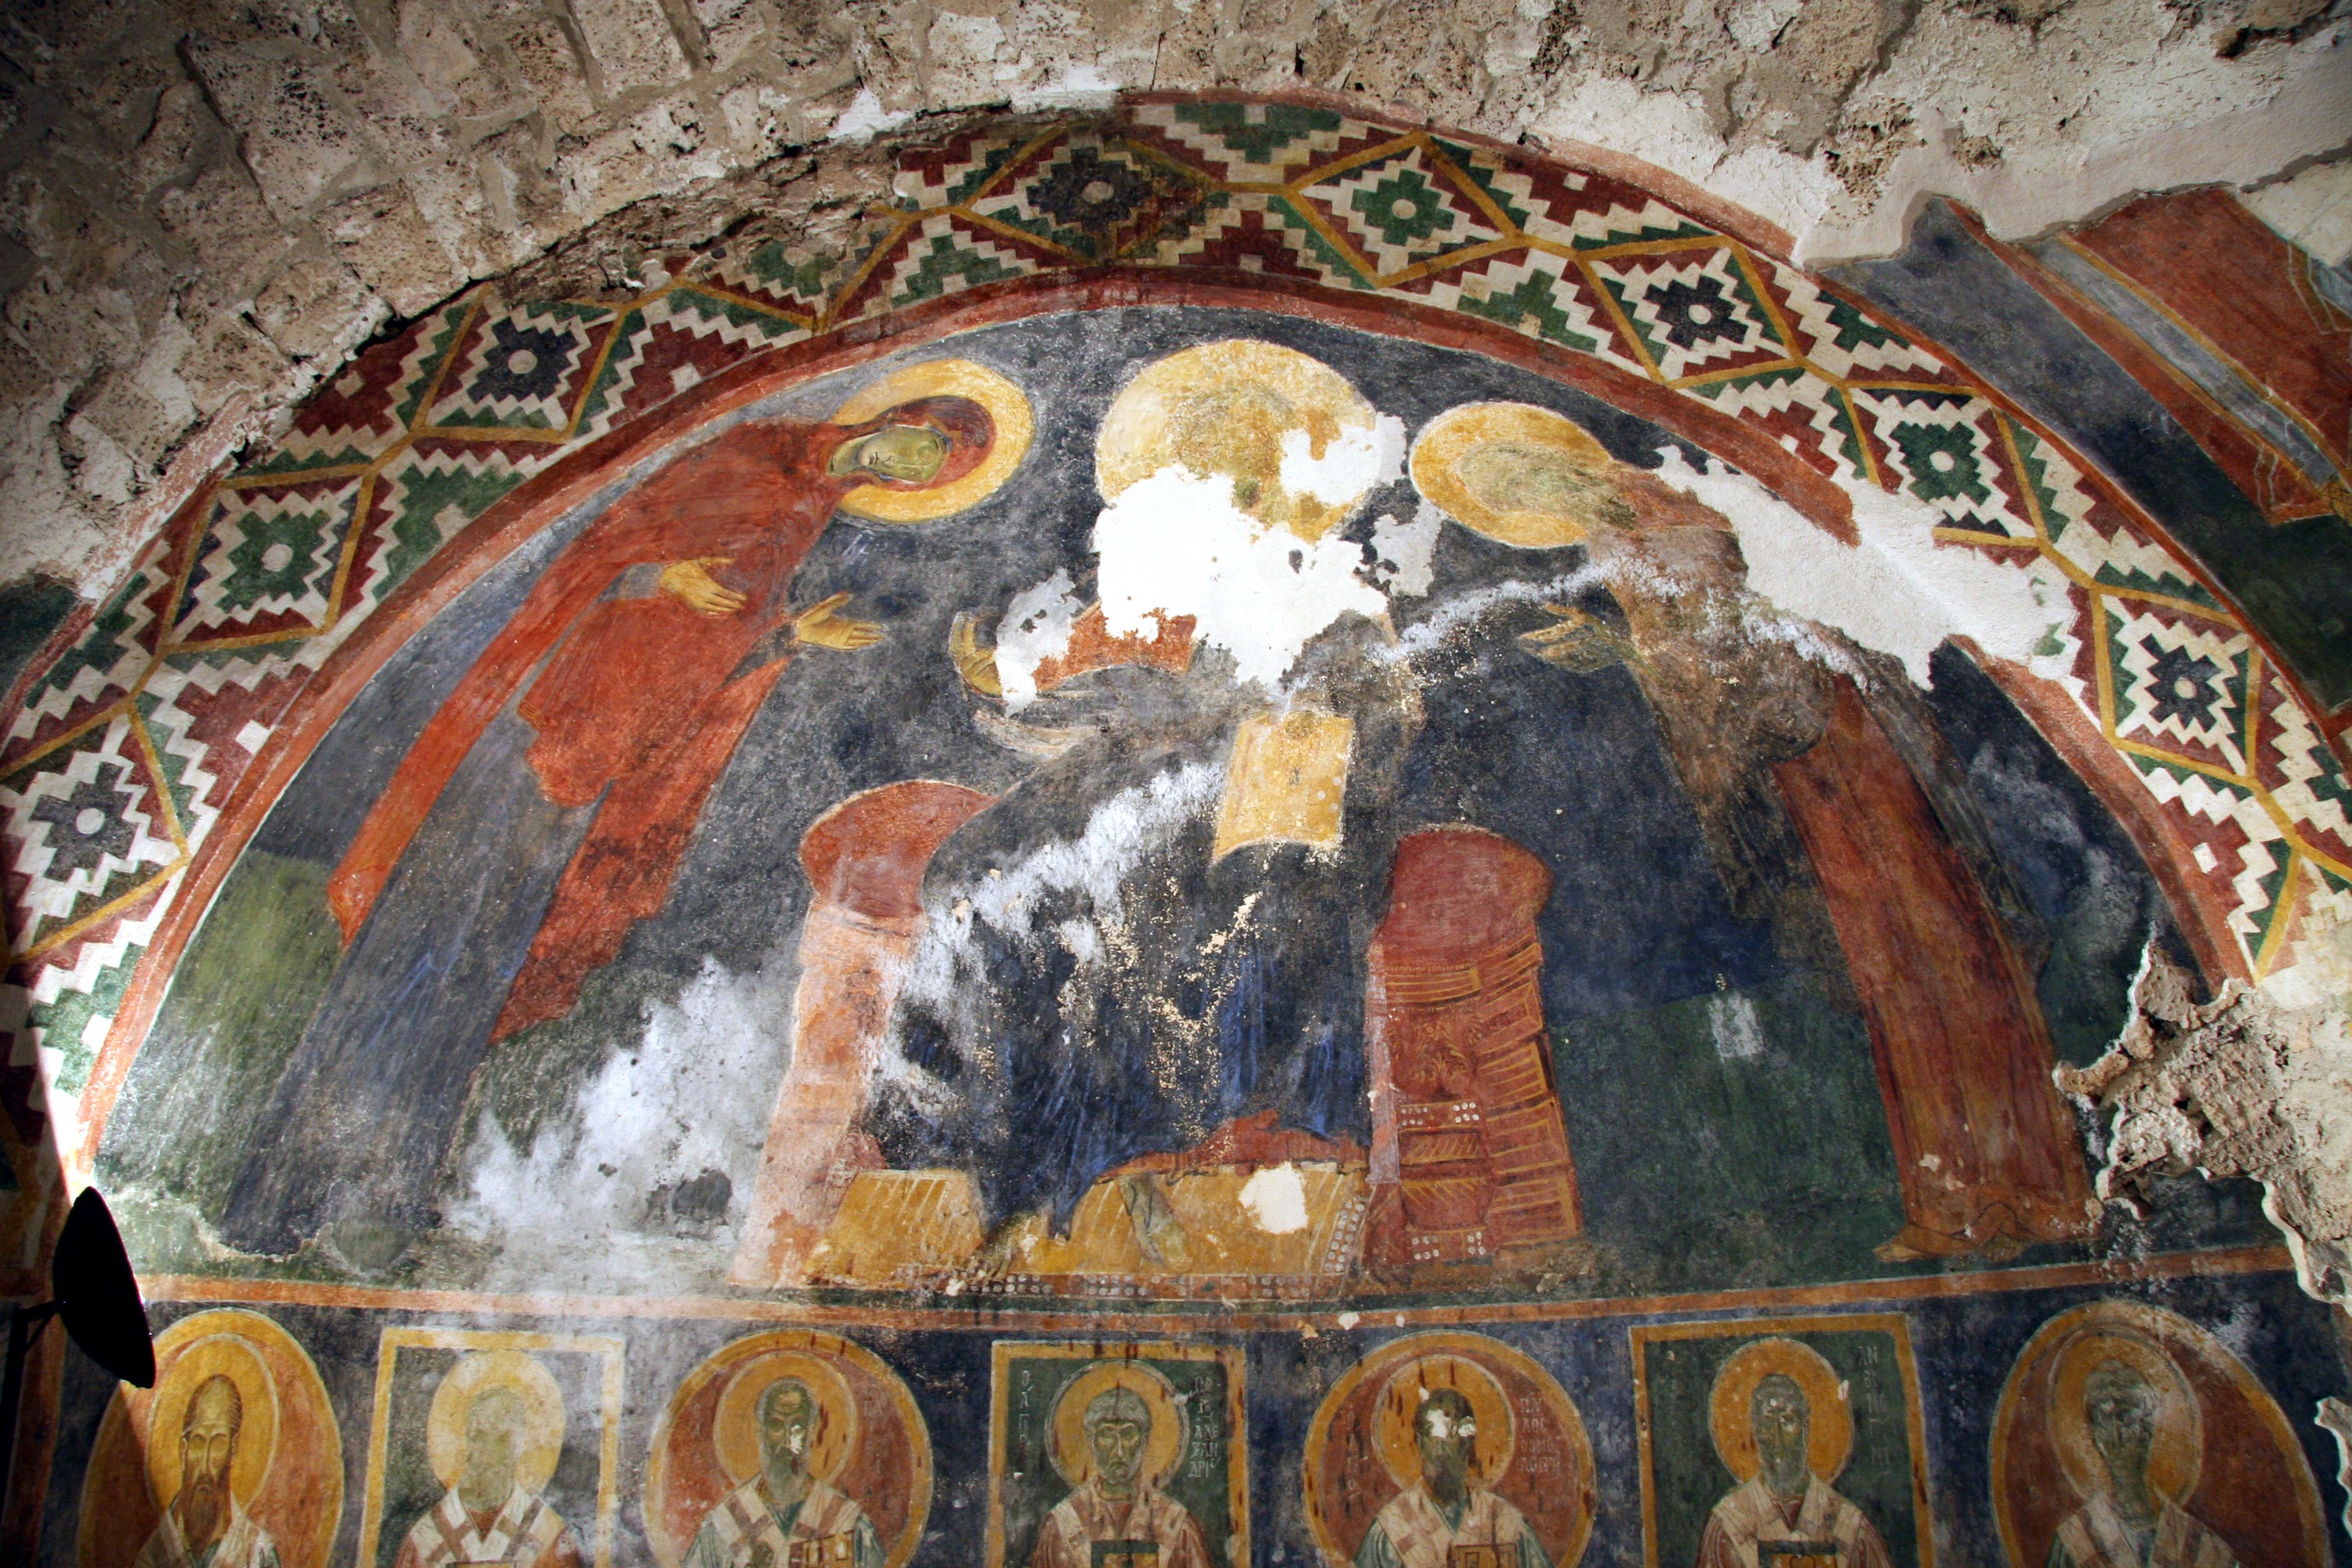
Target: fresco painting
{"x": 1749, "y": 1430}
{"x": 1233, "y": 905}
{"x": 234, "y": 1457}
{"x": 1449, "y": 1448}
{"x": 2169, "y": 1451}
{"x": 1131, "y": 1460}
{"x": 492, "y": 1445}
{"x": 789, "y": 1448}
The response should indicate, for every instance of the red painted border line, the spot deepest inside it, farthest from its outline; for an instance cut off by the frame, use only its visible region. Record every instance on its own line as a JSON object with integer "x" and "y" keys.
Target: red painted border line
{"x": 980, "y": 1314}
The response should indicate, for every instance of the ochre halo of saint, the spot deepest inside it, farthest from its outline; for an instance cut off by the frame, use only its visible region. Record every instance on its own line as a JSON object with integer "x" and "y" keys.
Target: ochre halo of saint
{"x": 1779, "y": 1416}
{"x": 736, "y": 1433}
{"x": 785, "y": 1442}
{"x": 1483, "y": 1460}
{"x": 1830, "y": 1421}
{"x": 232, "y": 1460}
{"x": 203, "y": 1368}
{"x": 1118, "y": 1433}
{"x": 493, "y": 1437}
{"x": 2176, "y": 1437}
{"x": 1519, "y": 474}
{"x": 1398, "y": 1436}
{"x": 1238, "y": 408}
{"x": 540, "y": 1403}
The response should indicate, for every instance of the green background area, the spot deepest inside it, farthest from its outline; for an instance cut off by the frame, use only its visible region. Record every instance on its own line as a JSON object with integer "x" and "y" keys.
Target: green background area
{"x": 1689, "y": 1479}
{"x": 1032, "y": 1486}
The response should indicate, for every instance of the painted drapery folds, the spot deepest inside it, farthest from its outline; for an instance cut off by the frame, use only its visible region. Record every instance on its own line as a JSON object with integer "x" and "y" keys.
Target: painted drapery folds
{"x": 1250, "y": 728}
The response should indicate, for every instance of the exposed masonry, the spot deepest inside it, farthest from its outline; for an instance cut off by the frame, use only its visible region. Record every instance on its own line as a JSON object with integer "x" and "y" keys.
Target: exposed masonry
{"x": 2238, "y": 1086}
{"x": 205, "y": 205}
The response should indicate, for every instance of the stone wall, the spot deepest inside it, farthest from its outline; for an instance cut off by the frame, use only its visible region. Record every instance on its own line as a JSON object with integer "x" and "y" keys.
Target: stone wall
{"x": 205, "y": 206}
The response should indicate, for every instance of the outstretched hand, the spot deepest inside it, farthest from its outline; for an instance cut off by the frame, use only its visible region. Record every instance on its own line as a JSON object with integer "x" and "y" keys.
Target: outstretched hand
{"x": 691, "y": 582}
{"x": 821, "y": 626}
{"x": 1578, "y": 641}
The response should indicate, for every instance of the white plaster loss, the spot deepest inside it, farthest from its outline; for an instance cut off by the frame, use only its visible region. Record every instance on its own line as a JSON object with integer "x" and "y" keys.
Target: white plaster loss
{"x": 579, "y": 1203}
{"x": 1276, "y": 1198}
{"x": 866, "y": 118}
{"x": 1406, "y": 553}
{"x": 1738, "y": 1030}
{"x": 2314, "y": 210}
{"x": 1352, "y": 462}
{"x": 1035, "y": 627}
{"x": 1078, "y": 87}
{"x": 1897, "y": 592}
{"x": 2336, "y": 1417}
{"x": 1174, "y": 545}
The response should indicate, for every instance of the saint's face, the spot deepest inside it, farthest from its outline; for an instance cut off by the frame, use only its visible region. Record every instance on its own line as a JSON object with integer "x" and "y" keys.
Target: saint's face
{"x": 1447, "y": 1434}
{"x": 911, "y": 454}
{"x": 1783, "y": 1423}
{"x": 2120, "y": 1413}
{"x": 207, "y": 1442}
{"x": 493, "y": 1443}
{"x": 787, "y": 1425}
{"x": 1117, "y": 1443}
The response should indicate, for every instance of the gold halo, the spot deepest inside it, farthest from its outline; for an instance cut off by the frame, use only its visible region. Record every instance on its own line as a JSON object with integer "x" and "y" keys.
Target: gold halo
{"x": 1400, "y": 1402}
{"x": 735, "y": 1428}
{"x": 1175, "y": 407}
{"x": 1073, "y": 1460}
{"x": 476, "y": 1374}
{"x": 1007, "y": 406}
{"x": 229, "y": 1355}
{"x": 1832, "y": 1423}
{"x": 2177, "y": 1451}
{"x": 1447, "y": 440}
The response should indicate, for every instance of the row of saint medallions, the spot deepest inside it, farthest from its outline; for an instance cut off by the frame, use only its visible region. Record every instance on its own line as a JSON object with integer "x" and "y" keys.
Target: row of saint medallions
{"x": 2123, "y": 1435}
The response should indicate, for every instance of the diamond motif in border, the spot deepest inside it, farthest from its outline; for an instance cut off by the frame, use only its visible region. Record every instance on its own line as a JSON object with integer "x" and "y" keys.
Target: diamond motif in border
{"x": 773, "y": 276}
{"x": 1947, "y": 449}
{"x": 1805, "y": 415}
{"x": 673, "y": 342}
{"x": 1400, "y": 210}
{"x": 523, "y": 369}
{"x": 85, "y": 825}
{"x": 106, "y": 660}
{"x": 267, "y": 562}
{"x": 1093, "y": 196}
{"x": 2179, "y": 683}
{"x": 937, "y": 255}
{"x": 419, "y": 502}
{"x": 955, "y": 170}
{"x": 1538, "y": 295}
{"x": 1692, "y": 309}
{"x": 360, "y": 413}
{"x": 2097, "y": 536}
{"x": 208, "y": 715}
{"x": 1841, "y": 340}
{"x": 2302, "y": 776}
{"x": 1250, "y": 231}
{"x": 1248, "y": 143}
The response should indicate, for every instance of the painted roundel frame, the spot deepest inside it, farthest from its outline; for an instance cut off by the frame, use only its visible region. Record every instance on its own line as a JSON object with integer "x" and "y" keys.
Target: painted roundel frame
{"x": 971, "y": 192}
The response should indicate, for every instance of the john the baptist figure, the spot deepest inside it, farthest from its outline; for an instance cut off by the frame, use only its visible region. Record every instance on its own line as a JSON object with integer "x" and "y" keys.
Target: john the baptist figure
{"x": 545, "y": 808}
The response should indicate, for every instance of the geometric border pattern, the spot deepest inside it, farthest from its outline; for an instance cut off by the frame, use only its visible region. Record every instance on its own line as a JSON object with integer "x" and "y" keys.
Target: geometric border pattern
{"x": 184, "y": 672}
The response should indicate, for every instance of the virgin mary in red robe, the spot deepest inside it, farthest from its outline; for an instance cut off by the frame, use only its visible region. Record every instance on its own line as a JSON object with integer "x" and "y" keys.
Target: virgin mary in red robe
{"x": 544, "y": 809}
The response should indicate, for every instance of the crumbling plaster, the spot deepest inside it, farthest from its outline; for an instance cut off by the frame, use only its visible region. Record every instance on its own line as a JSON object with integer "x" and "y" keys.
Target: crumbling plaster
{"x": 206, "y": 204}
